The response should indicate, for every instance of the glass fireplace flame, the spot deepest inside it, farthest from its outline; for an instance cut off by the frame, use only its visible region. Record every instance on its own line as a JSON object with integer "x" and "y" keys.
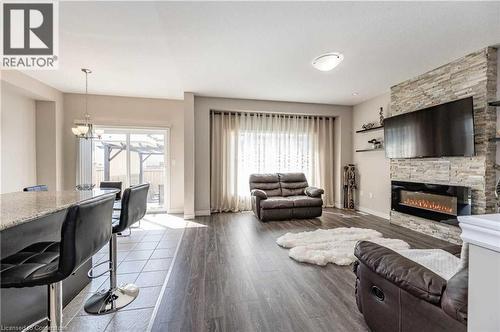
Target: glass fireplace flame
{"x": 431, "y": 202}
{"x": 438, "y": 202}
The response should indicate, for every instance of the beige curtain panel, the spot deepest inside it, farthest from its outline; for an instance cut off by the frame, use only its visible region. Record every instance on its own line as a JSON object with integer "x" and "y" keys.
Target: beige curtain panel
{"x": 246, "y": 143}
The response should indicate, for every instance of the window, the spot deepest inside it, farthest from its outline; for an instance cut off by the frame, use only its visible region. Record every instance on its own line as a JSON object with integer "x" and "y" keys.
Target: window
{"x": 247, "y": 143}
{"x": 272, "y": 152}
{"x": 134, "y": 156}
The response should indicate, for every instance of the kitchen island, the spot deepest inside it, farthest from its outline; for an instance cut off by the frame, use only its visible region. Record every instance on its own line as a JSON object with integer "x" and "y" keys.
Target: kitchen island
{"x": 26, "y": 218}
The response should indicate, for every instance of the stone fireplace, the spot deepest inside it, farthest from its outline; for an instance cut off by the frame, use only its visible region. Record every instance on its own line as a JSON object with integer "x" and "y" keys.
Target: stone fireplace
{"x": 473, "y": 75}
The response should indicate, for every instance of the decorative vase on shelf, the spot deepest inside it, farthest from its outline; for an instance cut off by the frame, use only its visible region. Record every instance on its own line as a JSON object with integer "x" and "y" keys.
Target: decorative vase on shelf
{"x": 376, "y": 144}
{"x": 84, "y": 186}
{"x": 381, "y": 114}
{"x": 368, "y": 125}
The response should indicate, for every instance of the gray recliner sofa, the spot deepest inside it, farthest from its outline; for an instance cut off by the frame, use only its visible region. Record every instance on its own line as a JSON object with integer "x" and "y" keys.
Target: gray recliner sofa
{"x": 282, "y": 196}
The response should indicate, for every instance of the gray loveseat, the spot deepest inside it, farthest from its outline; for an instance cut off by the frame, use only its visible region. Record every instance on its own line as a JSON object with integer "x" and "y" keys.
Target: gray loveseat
{"x": 282, "y": 196}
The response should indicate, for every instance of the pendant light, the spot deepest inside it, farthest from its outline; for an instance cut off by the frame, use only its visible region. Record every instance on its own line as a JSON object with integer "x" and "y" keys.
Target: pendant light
{"x": 84, "y": 128}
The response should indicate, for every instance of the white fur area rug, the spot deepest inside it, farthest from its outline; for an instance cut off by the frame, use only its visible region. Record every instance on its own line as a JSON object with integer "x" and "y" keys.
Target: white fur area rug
{"x": 336, "y": 245}
{"x": 291, "y": 240}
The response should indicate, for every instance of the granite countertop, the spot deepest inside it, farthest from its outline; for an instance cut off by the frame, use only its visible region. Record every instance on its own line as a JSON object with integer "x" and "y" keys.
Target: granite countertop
{"x": 21, "y": 207}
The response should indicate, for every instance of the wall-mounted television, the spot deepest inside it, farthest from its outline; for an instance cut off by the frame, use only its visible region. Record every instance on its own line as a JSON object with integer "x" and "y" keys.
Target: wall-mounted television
{"x": 445, "y": 130}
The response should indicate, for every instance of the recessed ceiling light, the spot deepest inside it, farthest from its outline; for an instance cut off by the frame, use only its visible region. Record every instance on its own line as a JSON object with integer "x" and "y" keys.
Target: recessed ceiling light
{"x": 355, "y": 93}
{"x": 327, "y": 61}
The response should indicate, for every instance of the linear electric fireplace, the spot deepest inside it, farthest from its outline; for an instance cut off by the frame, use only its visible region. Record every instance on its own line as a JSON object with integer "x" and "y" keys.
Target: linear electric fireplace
{"x": 431, "y": 201}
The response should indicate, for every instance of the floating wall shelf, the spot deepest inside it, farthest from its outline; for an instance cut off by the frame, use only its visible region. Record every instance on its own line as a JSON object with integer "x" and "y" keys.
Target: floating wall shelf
{"x": 366, "y": 150}
{"x": 370, "y": 129}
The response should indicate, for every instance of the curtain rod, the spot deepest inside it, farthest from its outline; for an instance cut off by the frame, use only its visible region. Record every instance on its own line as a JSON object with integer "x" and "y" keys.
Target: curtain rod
{"x": 272, "y": 114}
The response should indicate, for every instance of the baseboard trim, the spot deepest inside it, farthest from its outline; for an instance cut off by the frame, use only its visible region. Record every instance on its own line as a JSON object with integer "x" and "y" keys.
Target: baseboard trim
{"x": 196, "y": 213}
{"x": 202, "y": 213}
{"x": 189, "y": 216}
{"x": 375, "y": 213}
{"x": 338, "y": 205}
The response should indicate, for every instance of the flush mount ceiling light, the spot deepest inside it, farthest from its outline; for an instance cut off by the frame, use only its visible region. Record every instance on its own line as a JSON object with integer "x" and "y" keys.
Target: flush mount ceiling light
{"x": 327, "y": 61}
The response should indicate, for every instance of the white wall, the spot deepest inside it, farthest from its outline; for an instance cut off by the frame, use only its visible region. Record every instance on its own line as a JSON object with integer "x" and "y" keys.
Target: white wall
{"x": 131, "y": 112}
{"x": 55, "y": 144}
{"x": 49, "y": 125}
{"x": 189, "y": 156}
{"x": 46, "y": 143}
{"x": 374, "y": 191}
{"x": 203, "y": 106}
{"x": 18, "y": 140}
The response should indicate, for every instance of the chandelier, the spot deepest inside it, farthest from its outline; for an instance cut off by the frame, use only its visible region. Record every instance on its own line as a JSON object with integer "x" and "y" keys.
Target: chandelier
{"x": 84, "y": 128}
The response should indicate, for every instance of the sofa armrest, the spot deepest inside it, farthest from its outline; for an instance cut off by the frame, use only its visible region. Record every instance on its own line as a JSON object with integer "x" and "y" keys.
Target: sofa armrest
{"x": 455, "y": 297}
{"x": 258, "y": 193}
{"x": 314, "y": 192}
{"x": 401, "y": 271}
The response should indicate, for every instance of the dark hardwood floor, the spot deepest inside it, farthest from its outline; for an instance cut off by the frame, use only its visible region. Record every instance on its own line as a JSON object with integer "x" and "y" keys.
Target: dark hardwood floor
{"x": 229, "y": 275}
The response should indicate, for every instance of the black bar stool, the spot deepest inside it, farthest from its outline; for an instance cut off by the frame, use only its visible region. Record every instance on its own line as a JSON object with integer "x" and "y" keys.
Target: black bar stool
{"x": 85, "y": 230}
{"x": 39, "y": 187}
{"x": 113, "y": 185}
{"x": 133, "y": 209}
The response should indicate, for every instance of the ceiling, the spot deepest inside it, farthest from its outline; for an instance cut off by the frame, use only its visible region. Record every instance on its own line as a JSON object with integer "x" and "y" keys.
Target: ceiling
{"x": 262, "y": 50}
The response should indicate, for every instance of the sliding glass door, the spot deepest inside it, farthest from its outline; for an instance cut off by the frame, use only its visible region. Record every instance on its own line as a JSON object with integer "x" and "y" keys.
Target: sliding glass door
{"x": 134, "y": 156}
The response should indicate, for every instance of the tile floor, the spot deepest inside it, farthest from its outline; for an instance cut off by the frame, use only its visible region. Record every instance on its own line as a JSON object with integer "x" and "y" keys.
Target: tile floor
{"x": 144, "y": 258}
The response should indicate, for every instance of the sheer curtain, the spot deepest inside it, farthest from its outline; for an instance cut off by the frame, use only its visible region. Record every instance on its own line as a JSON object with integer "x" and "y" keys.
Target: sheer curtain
{"x": 83, "y": 161}
{"x": 246, "y": 143}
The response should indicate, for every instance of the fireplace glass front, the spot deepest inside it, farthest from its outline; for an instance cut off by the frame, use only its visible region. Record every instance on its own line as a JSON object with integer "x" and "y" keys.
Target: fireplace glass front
{"x": 431, "y": 201}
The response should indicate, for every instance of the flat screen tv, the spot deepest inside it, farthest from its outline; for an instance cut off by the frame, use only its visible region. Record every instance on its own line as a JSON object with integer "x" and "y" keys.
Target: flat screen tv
{"x": 445, "y": 130}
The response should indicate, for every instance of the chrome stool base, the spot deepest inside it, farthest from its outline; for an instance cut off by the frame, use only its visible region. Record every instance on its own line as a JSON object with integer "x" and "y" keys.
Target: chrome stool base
{"x": 108, "y": 301}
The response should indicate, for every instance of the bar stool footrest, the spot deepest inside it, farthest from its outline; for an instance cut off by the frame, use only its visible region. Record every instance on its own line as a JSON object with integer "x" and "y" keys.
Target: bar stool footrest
{"x": 90, "y": 273}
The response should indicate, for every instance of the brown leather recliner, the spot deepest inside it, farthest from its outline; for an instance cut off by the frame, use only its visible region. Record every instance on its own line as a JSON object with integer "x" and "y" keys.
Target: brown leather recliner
{"x": 397, "y": 294}
{"x": 282, "y": 196}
